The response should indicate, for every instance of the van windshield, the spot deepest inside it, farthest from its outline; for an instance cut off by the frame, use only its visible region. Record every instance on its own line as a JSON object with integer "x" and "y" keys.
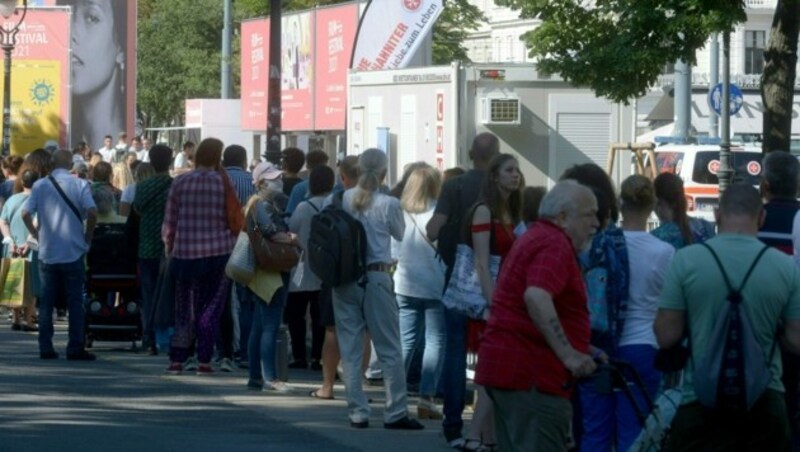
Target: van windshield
{"x": 746, "y": 167}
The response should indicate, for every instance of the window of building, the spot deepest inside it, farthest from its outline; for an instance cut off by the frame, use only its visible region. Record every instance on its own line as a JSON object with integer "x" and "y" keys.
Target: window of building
{"x": 754, "y": 43}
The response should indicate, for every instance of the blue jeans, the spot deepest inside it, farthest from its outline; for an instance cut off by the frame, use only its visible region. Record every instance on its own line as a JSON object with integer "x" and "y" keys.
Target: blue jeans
{"x": 70, "y": 278}
{"x": 454, "y": 375}
{"x": 420, "y": 317}
{"x": 610, "y": 419}
{"x": 246, "y": 312}
{"x": 148, "y": 274}
{"x": 264, "y": 336}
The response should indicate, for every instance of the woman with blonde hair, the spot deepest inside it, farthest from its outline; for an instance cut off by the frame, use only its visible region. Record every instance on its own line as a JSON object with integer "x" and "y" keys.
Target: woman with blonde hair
{"x": 143, "y": 172}
{"x": 198, "y": 239}
{"x": 122, "y": 176}
{"x": 370, "y": 304}
{"x": 419, "y": 283}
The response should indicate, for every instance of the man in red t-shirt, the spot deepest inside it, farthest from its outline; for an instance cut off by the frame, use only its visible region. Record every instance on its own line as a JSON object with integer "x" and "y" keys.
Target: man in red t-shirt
{"x": 536, "y": 343}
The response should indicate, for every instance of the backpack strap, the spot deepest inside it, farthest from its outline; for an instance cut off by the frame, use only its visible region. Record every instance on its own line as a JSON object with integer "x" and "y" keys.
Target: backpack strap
{"x": 725, "y": 274}
{"x": 316, "y": 209}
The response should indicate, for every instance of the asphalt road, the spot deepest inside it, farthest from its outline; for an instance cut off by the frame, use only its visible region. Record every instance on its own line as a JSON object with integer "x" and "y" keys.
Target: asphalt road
{"x": 124, "y": 402}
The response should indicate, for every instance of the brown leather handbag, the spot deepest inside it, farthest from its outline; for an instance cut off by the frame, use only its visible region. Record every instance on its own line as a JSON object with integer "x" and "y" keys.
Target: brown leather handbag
{"x": 272, "y": 256}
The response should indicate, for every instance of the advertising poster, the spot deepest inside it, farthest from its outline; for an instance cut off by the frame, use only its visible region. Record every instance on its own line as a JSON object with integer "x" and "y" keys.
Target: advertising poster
{"x": 39, "y": 81}
{"x": 336, "y": 32}
{"x": 391, "y": 31}
{"x": 103, "y": 70}
{"x": 297, "y": 71}
{"x": 255, "y": 73}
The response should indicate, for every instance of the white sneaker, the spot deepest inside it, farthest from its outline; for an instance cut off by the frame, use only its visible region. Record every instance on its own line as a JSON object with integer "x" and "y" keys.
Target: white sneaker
{"x": 190, "y": 364}
{"x": 277, "y": 386}
{"x": 226, "y": 365}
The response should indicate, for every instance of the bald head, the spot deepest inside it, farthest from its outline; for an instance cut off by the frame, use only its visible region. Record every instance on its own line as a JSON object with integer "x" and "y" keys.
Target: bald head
{"x": 62, "y": 159}
{"x": 484, "y": 147}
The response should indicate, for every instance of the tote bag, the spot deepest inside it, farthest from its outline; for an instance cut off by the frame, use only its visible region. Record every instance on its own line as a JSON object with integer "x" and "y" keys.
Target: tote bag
{"x": 15, "y": 273}
{"x": 463, "y": 293}
{"x": 241, "y": 266}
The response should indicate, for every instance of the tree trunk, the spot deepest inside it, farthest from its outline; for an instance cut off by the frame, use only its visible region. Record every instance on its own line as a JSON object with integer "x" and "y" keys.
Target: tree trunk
{"x": 777, "y": 81}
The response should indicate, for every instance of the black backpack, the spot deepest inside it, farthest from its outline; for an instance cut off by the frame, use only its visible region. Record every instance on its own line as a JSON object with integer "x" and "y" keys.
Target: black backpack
{"x": 337, "y": 245}
{"x": 735, "y": 371}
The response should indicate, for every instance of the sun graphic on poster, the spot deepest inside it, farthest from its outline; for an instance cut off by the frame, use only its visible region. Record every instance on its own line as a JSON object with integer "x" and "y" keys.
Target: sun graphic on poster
{"x": 41, "y": 92}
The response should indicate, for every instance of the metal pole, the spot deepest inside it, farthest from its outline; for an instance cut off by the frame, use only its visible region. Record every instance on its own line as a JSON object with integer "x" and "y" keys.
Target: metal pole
{"x": 683, "y": 105}
{"x": 7, "y": 48}
{"x": 273, "y": 153}
{"x": 725, "y": 172}
{"x": 227, "y": 29}
{"x": 713, "y": 120}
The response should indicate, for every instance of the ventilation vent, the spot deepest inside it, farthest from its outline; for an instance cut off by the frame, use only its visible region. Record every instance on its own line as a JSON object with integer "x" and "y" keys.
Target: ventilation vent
{"x": 500, "y": 111}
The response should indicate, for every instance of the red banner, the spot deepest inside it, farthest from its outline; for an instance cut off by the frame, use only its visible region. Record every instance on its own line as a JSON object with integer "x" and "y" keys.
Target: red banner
{"x": 255, "y": 73}
{"x": 40, "y": 81}
{"x": 336, "y": 33}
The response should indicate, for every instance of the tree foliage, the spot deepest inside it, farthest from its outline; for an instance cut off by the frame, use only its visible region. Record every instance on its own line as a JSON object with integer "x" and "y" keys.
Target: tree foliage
{"x": 619, "y": 47}
{"x": 179, "y": 54}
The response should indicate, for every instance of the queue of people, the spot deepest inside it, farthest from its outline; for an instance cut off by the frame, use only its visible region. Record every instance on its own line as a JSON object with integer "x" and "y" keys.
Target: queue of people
{"x": 571, "y": 281}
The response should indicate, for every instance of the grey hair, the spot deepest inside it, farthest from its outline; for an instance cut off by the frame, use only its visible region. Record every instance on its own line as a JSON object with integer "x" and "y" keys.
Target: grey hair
{"x": 561, "y": 198}
{"x": 781, "y": 171}
{"x": 373, "y": 163}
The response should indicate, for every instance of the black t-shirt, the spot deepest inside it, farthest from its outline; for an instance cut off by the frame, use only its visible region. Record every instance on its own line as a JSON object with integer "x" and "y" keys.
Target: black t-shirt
{"x": 289, "y": 183}
{"x": 458, "y": 196}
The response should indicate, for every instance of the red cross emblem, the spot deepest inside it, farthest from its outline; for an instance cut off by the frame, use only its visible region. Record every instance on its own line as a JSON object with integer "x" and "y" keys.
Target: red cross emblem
{"x": 412, "y": 5}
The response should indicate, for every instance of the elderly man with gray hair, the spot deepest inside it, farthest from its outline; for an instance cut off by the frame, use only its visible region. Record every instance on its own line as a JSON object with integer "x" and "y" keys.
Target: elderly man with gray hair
{"x": 536, "y": 343}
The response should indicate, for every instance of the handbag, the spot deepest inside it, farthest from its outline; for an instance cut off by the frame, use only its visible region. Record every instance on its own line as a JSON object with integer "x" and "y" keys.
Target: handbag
{"x": 16, "y": 278}
{"x": 463, "y": 293}
{"x": 233, "y": 208}
{"x": 271, "y": 256}
{"x": 241, "y": 266}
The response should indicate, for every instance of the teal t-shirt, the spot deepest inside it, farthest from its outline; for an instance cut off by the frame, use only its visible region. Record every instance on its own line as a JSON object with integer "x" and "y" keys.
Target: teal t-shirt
{"x": 695, "y": 284}
{"x": 12, "y": 214}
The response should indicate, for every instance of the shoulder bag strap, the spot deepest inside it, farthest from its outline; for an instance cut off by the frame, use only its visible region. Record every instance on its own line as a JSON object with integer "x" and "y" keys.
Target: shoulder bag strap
{"x": 65, "y": 198}
{"x": 316, "y": 209}
{"x": 424, "y": 236}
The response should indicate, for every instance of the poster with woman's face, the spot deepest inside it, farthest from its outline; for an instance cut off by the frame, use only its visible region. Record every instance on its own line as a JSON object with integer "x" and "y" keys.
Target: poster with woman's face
{"x": 102, "y": 68}
{"x": 296, "y": 68}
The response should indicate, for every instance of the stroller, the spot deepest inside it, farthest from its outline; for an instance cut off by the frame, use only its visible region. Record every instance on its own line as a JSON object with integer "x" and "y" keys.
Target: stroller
{"x": 654, "y": 416}
{"x": 113, "y": 296}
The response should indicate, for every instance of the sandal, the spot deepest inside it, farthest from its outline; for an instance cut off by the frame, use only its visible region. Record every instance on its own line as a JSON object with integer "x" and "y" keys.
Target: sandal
{"x": 475, "y": 445}
{"x": 315, "y": 395}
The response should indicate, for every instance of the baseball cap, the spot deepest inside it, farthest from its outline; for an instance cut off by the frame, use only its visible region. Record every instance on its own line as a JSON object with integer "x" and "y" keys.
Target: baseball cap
{"x": 265, "y": 171}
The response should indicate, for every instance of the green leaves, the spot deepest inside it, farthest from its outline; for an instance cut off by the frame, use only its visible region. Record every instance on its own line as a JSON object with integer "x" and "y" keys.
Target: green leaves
{"x": 618, "y": 47}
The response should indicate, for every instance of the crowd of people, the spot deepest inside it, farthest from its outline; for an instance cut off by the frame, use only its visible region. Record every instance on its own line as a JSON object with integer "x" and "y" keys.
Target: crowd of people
{"x": 573, "y": 279}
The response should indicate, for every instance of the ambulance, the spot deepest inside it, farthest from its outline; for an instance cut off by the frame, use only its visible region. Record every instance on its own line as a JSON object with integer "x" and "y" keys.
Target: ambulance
{"x": 698, "y": 166}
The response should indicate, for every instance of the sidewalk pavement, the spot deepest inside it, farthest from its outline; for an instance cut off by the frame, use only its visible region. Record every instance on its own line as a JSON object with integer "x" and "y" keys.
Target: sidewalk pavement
{"x": 124, "y": 401}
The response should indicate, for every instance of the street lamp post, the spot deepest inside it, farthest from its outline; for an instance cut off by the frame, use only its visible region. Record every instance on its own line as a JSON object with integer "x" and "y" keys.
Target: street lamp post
{"x": 273, "y": 153}
{"x": 8, "y": 39}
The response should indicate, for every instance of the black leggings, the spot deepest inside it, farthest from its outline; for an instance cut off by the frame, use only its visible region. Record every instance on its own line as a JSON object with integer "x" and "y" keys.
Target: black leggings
{"x": 295, "y": 317}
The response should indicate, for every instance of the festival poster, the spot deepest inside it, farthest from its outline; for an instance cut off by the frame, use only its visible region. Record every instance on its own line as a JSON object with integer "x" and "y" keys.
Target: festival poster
{"x": 297, "y": 71}
{"x": 40, "y": 81}
{"x": 255, "y": 74}
{"x": 336, "y": 32}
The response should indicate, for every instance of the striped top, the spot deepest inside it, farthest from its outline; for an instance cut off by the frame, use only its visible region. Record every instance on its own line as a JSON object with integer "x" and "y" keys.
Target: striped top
{"x": 195, "y": 221}
{"x": 777, "y": 228}
{"x": 242, "y": 183}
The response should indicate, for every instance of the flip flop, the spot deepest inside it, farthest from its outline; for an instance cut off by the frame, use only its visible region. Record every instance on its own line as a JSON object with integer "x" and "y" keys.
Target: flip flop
{"x": 313, "y": 394}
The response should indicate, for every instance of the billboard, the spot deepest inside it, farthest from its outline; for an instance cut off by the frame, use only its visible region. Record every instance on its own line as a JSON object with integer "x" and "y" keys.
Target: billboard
{"x": 391, "y": 31}
{"x": 103, "y": 69}
{"x": 255, "y": 73}
{"x": 317, "y": 47}
{"x": 336, "y": 33}
{"x": 297, "y": 71}
{"x": 39, "y": 81}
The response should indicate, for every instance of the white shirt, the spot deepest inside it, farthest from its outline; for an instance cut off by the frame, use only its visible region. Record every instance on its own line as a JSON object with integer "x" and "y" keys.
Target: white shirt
{"x": 181, "y": 161}
{"x": 420, "y": 272}
{"x": 303, "y": 279}
{"x": 143, "y": 155}
{"x": 107, "y": 154}
{"x": 382, "y": 220}
{"x": 649, "y": 259}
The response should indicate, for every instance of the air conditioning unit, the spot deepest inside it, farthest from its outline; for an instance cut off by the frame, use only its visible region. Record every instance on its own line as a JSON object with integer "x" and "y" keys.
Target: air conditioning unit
{"x": 500, "y": 111}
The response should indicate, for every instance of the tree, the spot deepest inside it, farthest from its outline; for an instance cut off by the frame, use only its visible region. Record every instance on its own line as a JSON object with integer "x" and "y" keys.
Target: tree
{"x": 777, "y": 80}
{"x": 619, "y": 47}
{"x": 179, "y": 51}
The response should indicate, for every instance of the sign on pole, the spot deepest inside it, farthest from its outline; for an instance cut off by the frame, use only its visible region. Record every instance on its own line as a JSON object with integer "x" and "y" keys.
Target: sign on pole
{"x": 715, "y": 99}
